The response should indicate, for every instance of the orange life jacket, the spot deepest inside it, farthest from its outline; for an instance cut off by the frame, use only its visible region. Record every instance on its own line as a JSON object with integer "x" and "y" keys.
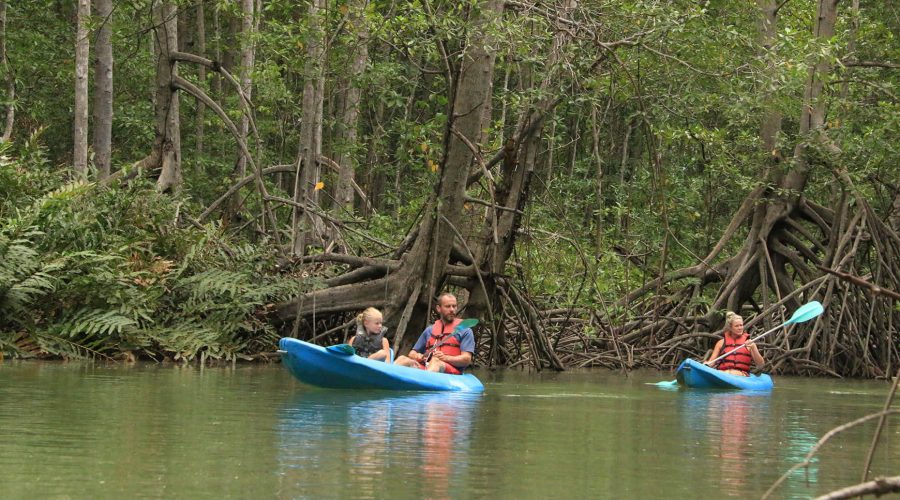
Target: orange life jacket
{"x": 739, "y": 360}
{"x": 443, "y": 339}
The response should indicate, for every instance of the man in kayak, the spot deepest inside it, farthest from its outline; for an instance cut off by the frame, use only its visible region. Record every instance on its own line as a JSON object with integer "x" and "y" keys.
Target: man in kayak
{"x": 441, "y": 348}
{"x": 735, "y": 342}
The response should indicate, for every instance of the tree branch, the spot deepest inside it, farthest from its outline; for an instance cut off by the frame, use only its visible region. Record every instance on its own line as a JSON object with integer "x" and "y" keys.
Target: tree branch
{"x": 352, "y": 260}
{"x": 824, "y": 439}
{"x": 877, "y": 487}
{"x": 875, "y": 289}
{"x": 870, "y": 64}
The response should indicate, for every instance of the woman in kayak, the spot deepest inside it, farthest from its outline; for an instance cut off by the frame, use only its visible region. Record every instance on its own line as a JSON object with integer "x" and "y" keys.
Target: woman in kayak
{"x": 735, "y": 342}
{"x": 369, "y": 340}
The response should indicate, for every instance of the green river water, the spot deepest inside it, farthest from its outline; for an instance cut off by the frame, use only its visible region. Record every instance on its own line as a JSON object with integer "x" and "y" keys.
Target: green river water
{"x": 252, "y": 431}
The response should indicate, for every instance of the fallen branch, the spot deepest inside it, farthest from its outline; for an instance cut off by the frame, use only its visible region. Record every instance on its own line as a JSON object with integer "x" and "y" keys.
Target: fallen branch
{"x": 878, "y": 487}
{"x": 808, "y": 459}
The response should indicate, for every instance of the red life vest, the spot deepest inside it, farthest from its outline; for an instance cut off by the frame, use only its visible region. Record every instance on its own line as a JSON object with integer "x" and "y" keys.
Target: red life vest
{"x": 739, "y": 360}
{"x": 442, "y": 338}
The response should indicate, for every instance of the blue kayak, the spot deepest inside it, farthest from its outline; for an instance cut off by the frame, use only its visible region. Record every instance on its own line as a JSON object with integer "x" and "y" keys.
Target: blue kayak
{"x": 316, "y": 365}
{"x": 699, "y": 376}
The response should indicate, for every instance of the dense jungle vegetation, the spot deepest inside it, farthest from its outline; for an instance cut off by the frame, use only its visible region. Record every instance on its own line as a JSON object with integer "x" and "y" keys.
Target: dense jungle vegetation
{"x": 599, "y": 181}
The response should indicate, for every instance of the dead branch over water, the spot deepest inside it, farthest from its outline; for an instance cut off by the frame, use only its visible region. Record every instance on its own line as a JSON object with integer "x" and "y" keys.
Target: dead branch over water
{"x": 880, "y": 485}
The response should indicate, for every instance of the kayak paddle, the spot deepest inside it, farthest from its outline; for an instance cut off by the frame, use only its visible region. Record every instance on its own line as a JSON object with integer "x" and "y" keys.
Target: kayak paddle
{"x": 466, "y": 323}
{"x": 805, "y": 313}
{"x": 344, "y": 349}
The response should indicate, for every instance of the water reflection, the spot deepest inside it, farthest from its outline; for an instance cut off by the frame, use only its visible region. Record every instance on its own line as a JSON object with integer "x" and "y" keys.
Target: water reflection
{"x": 348, "y": 443}
{"x": 731, "y": 413}
{"x": 723, "y": 427}
{"x": 798, "y": 442}
{"x": 149, "y": 431}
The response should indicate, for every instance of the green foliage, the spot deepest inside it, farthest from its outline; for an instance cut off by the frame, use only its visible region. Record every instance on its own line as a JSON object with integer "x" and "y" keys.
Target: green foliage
{"x": 653, "y": 143}
{"x": 23, "y": 278}
{"x": 91, "y": 270}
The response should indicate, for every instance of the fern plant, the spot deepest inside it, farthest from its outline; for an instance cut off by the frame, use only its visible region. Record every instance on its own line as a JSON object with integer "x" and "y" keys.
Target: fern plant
{"x": 89, "y": 270}
{"x": 23, "y": 277}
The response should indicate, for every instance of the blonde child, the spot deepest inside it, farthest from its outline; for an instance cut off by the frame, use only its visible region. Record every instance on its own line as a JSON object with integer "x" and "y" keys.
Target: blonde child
{"x": 369, "y": 340}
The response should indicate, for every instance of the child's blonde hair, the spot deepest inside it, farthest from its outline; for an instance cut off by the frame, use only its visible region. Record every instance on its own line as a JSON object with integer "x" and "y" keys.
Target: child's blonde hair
{"x": 369, "y": 313}
{"x": 730, "y": 316}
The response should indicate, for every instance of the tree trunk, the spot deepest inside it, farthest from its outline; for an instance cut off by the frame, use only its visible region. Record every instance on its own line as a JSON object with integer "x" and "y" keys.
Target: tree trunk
{"x": 773, "y": 255}
{"x": 770, "y": 124}
{"x": 217, "y": 29}
{"x": 185, "y": 37}
{"x": 103, "y": 91}
{"x": 201, "y": 51}
{"x": 771, "y": 216}
{"x": 346, "y": 135}
{"x": 166, "y": 152}
{"x": 374, "y": 181}
{"x": 498, "y": 237}
{"x": 247, "y": 60}
{"x": 8, "y": 78}
{"x": 406, "y": 288}
{"x": 305, "y": 224}
{"x": 80, "y": 123}
{"x": 744, "y": 272}
{"x": 598, "y": 182}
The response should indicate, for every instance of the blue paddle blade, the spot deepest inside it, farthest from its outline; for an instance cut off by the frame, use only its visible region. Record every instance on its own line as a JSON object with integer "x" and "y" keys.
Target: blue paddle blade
{"x": 466, "y": 323}
{"x": 806, "y": 312}
{"x": 668, "y": 385}
{"x": 343, "y": 349}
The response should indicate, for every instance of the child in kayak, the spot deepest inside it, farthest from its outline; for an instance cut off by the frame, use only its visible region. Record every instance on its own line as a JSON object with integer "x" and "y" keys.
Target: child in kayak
{"x": 369, "y": 341}
{"x": 735, "y": 342}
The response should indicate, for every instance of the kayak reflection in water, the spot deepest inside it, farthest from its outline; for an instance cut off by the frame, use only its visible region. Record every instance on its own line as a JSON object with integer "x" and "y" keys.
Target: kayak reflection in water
{"x": 441, "y": 348}
{"x": 729, "y": 414}
{"x": 369, "y": 341}
{"x": 439, "y": 438}
{"x": 374, "y": 444}
{"x": 735, "y": 342}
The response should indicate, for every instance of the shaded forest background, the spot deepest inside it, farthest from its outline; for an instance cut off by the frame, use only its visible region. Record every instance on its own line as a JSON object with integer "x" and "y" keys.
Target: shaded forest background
{"x": 599, "y": 181}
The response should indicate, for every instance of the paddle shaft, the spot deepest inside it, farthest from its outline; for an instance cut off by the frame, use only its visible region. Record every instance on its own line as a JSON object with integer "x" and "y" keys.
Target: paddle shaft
{"x": 437, "y": 345}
